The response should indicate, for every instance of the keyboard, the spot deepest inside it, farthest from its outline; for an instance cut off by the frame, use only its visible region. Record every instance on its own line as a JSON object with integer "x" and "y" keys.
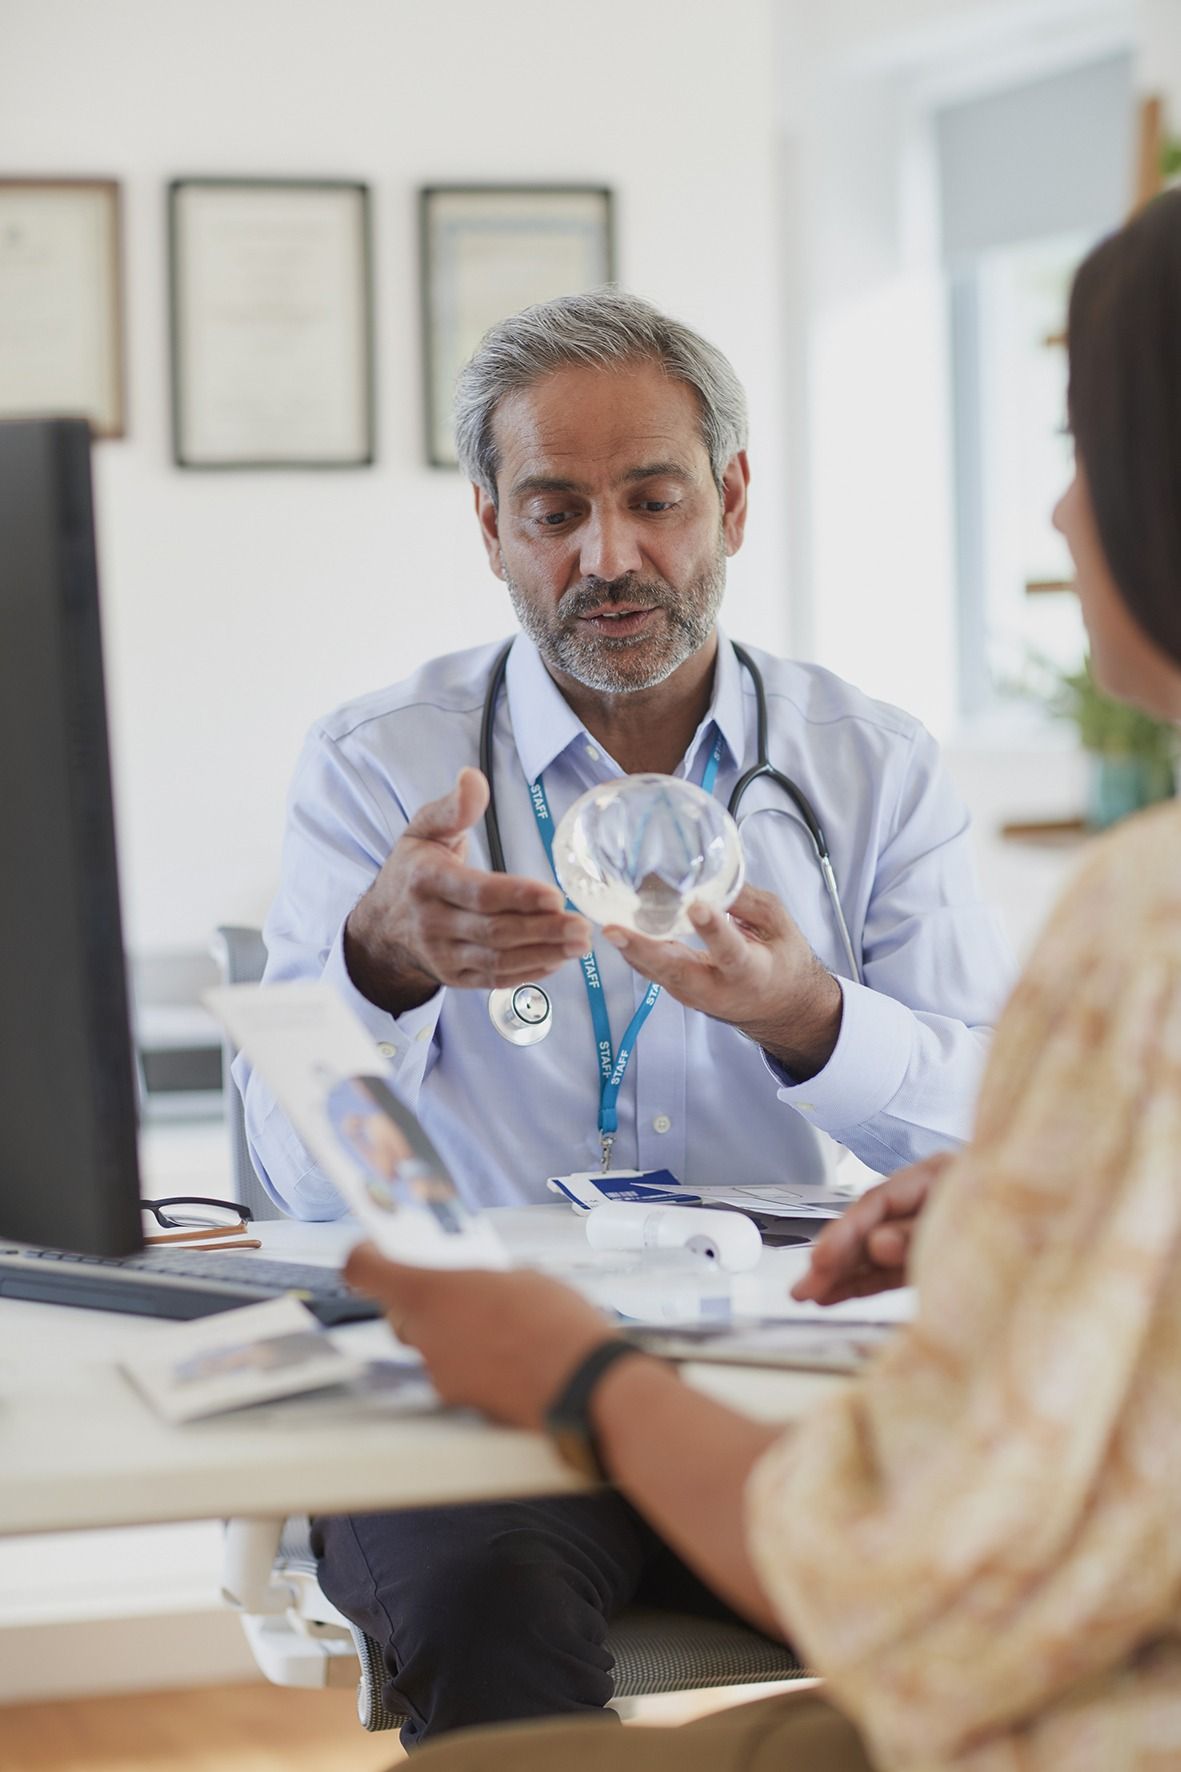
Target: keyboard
{"x": 177, "y": 1283}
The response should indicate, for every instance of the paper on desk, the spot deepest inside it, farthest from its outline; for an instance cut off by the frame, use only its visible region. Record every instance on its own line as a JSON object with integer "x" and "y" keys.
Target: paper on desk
{"x": 236, "y": 1358}
{"x": 780, "y": 1200}
{"x": 807, "y": 1346}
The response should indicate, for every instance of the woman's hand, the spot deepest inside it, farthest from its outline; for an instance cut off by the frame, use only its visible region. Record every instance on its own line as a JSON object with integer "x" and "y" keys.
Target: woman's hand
{"x": 756, "y": 971}
{"x": 502, "y": 1343}
{"x": 866, "y": 1250}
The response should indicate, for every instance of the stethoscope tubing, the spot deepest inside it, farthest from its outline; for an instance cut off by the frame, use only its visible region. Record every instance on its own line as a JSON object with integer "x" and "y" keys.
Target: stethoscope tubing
{"x": 762, "y": 767}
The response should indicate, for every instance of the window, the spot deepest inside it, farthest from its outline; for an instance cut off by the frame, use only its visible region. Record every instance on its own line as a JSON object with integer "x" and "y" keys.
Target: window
{"x": 1029, "y": 177}
{"x": 1013, "y": 461}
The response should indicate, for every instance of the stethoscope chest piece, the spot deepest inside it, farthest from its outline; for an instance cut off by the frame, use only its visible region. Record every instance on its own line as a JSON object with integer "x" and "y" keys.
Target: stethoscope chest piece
{"x": 522, "y": 1014}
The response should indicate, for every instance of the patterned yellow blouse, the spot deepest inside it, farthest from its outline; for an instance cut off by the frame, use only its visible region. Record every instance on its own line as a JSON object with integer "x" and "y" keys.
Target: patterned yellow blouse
{"x": 980, "y": 1541}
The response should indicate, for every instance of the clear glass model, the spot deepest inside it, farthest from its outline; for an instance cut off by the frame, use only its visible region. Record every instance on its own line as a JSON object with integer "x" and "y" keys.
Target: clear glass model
{"x": 639, "y": 852}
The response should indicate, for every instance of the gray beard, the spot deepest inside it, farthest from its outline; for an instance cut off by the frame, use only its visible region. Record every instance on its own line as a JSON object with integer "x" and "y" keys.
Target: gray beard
{"x": 600, "y": 663}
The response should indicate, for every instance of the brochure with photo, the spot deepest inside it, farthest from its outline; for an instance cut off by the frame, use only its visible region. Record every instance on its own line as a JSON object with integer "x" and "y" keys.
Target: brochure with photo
{"x": 236, "y": 1358}
{"x": 329, "y": 1077}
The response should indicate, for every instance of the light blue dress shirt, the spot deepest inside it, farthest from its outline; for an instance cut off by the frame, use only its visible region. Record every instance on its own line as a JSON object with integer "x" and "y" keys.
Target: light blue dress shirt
{"x": 698, "y": 1098}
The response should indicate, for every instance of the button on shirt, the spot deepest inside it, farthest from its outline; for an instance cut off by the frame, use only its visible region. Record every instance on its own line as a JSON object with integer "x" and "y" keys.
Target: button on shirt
{"x": 698, "y": 1098}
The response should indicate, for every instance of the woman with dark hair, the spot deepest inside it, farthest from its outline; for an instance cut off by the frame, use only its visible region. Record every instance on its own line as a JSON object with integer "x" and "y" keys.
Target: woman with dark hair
{"x": 979, "y": 1541}
{"x": 1122, "y": 514}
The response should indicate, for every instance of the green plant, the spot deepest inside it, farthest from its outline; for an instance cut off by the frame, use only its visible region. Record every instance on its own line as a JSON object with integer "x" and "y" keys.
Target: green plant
{"x": 1108, "y": 727}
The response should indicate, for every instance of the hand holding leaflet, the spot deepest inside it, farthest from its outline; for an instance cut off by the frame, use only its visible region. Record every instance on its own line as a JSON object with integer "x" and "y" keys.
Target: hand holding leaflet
{"x": 327, "y": 1074}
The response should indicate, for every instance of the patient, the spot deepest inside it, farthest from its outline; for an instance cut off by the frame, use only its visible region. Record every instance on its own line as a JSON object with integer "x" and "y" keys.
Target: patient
{"x": 979, "y": 1542}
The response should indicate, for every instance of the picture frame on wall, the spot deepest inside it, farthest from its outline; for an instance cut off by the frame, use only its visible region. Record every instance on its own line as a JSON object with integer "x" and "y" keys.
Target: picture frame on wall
{"x": 488, "y": 251}
{"x": 271, "y": 288}
{"x": 61, "y": 301}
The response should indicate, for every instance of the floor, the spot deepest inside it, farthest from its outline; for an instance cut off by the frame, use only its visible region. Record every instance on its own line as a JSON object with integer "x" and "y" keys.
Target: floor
{"x": 232, "y": 1729}
{"x": 211, "y": 1729}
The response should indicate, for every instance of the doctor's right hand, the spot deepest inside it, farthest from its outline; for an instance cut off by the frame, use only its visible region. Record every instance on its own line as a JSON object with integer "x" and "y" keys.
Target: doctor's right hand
{"x": 430, "y": 919}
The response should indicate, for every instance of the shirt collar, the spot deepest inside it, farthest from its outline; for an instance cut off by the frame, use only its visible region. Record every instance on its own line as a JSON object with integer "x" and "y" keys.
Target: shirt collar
{"x": 544, "y": 723}
{"x": 727, "y": 708}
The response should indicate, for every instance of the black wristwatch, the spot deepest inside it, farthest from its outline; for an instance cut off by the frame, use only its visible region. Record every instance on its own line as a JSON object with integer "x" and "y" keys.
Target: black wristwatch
{"x": 567, "y": 1420}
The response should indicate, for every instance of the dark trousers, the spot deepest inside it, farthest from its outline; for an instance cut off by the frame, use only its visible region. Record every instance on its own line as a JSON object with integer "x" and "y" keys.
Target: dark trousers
{"x": 498, "y": 1612}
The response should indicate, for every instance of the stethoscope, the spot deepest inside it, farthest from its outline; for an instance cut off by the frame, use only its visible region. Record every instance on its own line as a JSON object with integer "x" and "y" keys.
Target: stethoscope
{"x": 523, "y": 1014}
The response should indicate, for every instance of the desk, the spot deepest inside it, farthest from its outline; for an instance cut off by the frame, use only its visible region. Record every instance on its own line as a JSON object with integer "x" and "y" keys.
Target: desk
{"x": 80, "y": 1448}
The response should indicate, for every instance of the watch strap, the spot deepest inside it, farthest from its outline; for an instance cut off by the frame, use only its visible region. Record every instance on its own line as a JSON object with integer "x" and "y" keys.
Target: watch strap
{"x": 567, "y": 1419}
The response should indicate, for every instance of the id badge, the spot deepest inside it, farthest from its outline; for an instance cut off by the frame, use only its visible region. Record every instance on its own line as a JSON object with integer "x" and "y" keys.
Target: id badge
{"x": 593, "y": 1187}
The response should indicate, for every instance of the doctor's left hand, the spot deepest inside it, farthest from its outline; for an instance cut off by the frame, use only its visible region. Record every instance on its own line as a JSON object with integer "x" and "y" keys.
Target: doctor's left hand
{"x": 505, "y": 1343}
{"x": 756, "y": 971}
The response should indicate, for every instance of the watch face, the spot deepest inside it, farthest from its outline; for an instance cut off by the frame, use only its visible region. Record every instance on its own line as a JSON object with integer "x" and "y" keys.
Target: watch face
{"x": 574, "y": 1449}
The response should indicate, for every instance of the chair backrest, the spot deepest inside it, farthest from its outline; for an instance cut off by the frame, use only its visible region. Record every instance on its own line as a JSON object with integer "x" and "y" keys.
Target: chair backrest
{"x": 241, "y": 955}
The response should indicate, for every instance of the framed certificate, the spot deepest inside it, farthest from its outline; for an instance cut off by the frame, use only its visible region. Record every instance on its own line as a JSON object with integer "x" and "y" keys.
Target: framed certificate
{"x": 61, "y": 318}
{"x": 488, "y": 250}
{"x": 272, "y": 323}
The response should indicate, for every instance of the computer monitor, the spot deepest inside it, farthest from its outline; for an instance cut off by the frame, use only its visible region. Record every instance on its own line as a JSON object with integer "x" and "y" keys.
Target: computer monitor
{"x": 69, "y": 1176}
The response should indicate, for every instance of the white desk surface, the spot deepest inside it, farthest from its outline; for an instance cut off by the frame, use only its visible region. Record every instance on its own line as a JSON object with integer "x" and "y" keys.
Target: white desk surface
{"x": 80, "y": 1448}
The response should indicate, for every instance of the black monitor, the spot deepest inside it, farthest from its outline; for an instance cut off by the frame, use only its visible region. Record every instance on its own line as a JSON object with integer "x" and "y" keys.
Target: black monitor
{"x": 69, "y": 1175}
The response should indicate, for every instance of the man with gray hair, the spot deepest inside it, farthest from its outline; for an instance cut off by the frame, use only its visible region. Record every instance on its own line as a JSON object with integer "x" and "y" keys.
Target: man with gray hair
{"x": 607, "y": 447}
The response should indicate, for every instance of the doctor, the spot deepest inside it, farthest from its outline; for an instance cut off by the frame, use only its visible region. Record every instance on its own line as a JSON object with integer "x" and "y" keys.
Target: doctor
{"x": 607, "y": 449}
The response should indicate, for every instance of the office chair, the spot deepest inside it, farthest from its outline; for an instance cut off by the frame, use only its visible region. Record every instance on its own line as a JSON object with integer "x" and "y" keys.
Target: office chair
{"x": 241, "y": 956}
{"x": 296, "y": 1634}
{"x": 298, "y": 1638}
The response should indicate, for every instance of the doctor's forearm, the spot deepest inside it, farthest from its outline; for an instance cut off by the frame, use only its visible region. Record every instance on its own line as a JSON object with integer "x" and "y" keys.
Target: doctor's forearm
{"x": 683, "y": 1461}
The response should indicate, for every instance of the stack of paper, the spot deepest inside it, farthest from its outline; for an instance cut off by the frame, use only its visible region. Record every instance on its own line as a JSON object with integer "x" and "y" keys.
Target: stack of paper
{"x": 780, "y": 1200}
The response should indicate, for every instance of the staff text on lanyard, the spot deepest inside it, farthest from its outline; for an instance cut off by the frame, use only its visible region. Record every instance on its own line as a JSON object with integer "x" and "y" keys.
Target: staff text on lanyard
{"x": 612, "y": 1065}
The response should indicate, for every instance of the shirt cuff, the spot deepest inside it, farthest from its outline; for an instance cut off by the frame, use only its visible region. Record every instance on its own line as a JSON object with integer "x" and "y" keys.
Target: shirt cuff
{"x": 404, "y": 1041}
{"x": 866, "y": 1069}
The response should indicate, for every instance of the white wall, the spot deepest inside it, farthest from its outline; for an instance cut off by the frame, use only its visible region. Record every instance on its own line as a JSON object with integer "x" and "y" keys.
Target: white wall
{"x": 1159, "y": 34}
{"x": 870, "y": 493}
{"x": 869, "y": 415}
{"x": 238, "y": 607}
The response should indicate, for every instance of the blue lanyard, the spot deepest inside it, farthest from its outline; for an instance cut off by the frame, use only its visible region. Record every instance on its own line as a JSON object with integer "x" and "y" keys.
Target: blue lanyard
{"x": 612, "y": 1065}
